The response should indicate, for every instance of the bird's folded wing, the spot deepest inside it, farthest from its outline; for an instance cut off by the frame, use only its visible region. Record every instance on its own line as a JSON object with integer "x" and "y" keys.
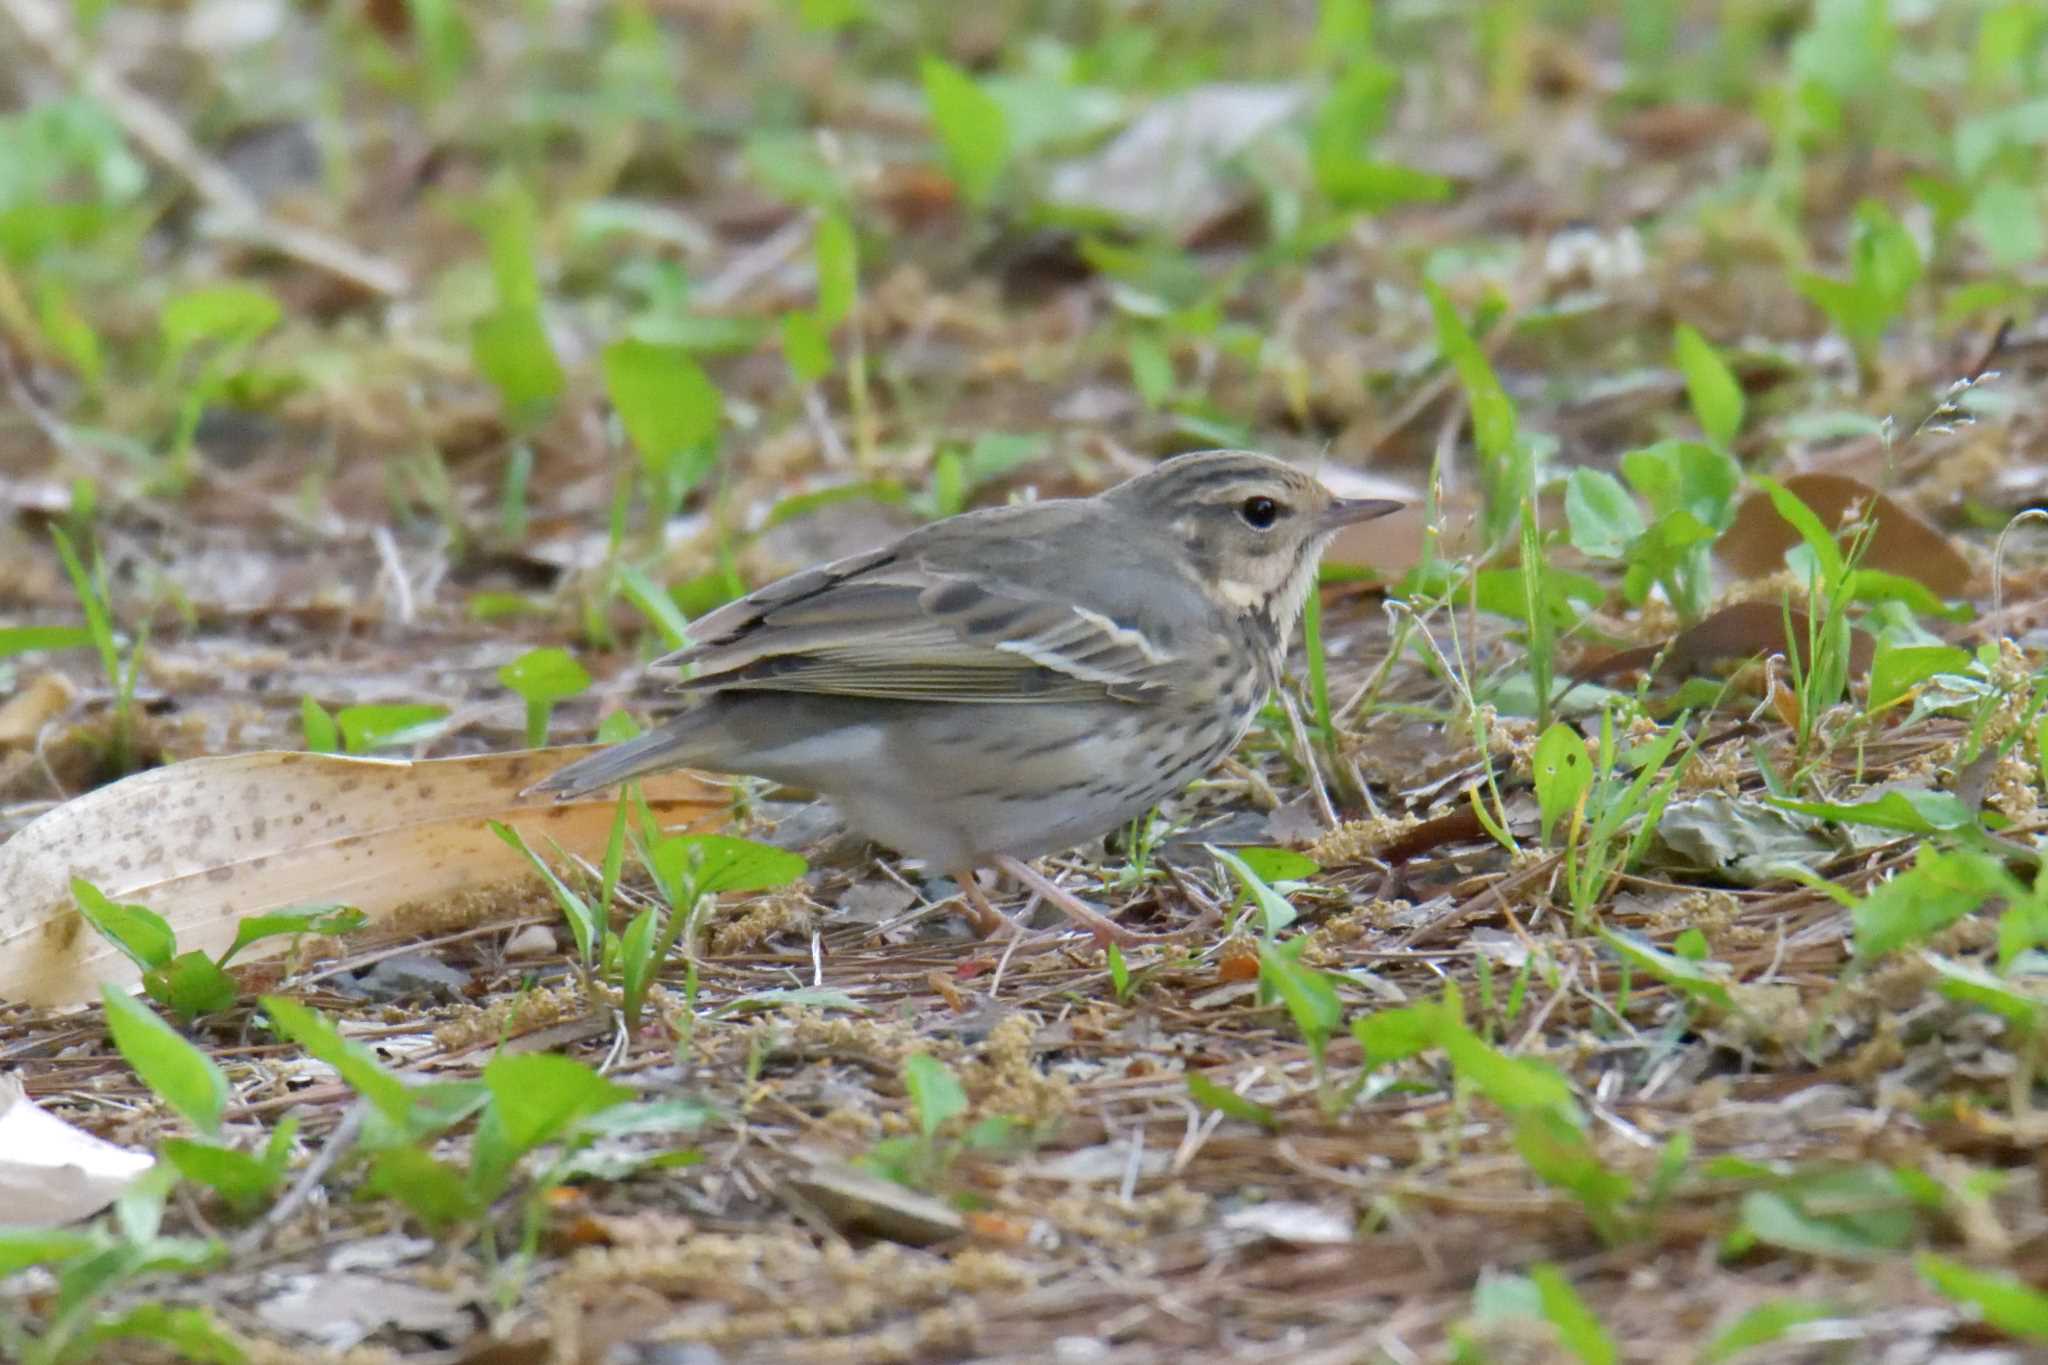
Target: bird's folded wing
{"x": 887, "y": 627}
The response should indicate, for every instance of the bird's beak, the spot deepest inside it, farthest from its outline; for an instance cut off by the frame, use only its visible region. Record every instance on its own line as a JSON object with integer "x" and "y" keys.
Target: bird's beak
{"x": 1347, "y": 511}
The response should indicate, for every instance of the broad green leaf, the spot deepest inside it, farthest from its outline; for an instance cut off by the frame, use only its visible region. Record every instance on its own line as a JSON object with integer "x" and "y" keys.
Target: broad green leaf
{"x": 357, "y": 1066}
{"x": 1898, "y": 669}
{"x": 1516, "y": 1084}
{"x": 382, "y": 726}
{"x": 1717, "y": 400}
{"x": 243, "y": 1180}
{"x": 671, "y": 410}
{"x": 971, "y": 127}
{"x": 434, "y": 1192}
{"x": 1603, "y": 515}
{"x": 1576, "y": 1325}
{"x": 1938, "y": 890}
{"x": 222, "y": 312}
{"x": 1279, "y": 864}
{"x": 1209, "y": 1095}
{"x": 1762, "y": 1325}
{"x": 1973, "y": 985}
{"x": 190, "y": 984}
{"x": 1563, "y": 772}
{"x": 326, "y": 920}
{"x": 144, "y": 936}
{"x": 545, "y": 675}
{"x": 183, "y": 1076}
{"x": 511, "y": 350}
{"x": 838, "y": 269}
{"x": 1698, "y": 979}
{"x": 1310, "y": 996}
{"x": 538, "y": 1097}
{"x": 322, "y": 736}
{"x": 1913, "y": 810}
{"x": 2006, "y": 1302}
{"x": 709, "y": 864}
{"x": 807, "y": 346}
{"x": 1274, "y": 908}
{"x": 935, "y": 1091}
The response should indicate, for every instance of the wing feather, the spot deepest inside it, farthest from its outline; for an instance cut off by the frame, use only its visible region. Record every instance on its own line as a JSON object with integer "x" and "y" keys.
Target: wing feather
{"x": 890, "y": 624}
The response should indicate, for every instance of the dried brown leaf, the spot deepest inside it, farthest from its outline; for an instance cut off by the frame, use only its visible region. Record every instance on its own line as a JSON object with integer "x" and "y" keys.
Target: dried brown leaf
{"x": 211, "y": 840}
{"x": 1902, "y": 544}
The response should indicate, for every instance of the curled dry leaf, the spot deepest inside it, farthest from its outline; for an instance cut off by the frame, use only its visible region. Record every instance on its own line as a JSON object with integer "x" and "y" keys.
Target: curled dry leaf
{"x": 207, "y": 842}
{"x": 1902, "y": 544}
{"x": 1742, "y": 630}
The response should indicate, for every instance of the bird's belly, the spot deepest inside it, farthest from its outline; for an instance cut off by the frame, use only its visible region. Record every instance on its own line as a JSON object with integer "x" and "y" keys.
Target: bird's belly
{"x": 974, "y": 786}
{"x": 956, "y": 784}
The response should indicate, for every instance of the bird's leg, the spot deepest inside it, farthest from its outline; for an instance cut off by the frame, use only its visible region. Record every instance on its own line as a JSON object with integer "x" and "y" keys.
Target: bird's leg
{"x": 988, "y": 921}
{"x": 1106, "y": 930}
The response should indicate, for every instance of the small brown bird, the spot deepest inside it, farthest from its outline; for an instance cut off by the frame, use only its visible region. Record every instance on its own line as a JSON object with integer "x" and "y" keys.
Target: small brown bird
{"x": 1014, "y": 681}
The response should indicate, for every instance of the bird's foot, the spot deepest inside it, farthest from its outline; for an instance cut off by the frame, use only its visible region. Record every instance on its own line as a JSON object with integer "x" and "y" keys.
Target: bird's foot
{"x": 1105, "y": 929}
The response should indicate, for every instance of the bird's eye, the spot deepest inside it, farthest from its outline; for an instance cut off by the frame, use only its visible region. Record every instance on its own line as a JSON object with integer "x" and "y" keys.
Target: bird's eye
{"x": 1259, "y": 513}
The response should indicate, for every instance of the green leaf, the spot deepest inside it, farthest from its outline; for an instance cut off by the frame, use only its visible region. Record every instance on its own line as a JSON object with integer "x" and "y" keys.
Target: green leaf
{"x": 671, "y": 410}
{"x": 144, "y": 936}
{"x": 30, "y": 639}
{"x": 1685, "y": 476}
{"x": 2006, "y": 1302}
{"x": 1762, "y": 1325}
{"x": 1603, "y": 515}
{"x": 584, "y": 924}
{"x": 321, "y": 735}
{"x": 511, "y": 350}
{"x": 1273, "y": 906}
{"x": 935, "y": 1091}
{"x": 190, "y": 1333}
{"x": 392, "y": 725}
{"x": 1577, "y": 1327}
{"x": 1898, "y": 669}
{"x": 1973, "y": 985}
{"x": 807, "y": 346}
{"x": 1493, "y": 414}
{"x": 1703, "y": 981}
{"x": 181, "y": 1075}
{"x": 1394, "y": 1035}
{"x": 536, "y": 1097}
{"x": 1272, "y": 865}
{"x": 1788, "y": 505}
{"x": 357, "y": 1066}
{"x": 1913, "y": 810}
{"x": 242, "y": 1180}
{"x": 653, "y": 602}
{"x": 1563, "y": 771}
{"x": 1209, "y": 1095}
{"x": 2006, "y": 217}
{"x": 1516, "y": 1084}
{"x": 222, "y": 312}
{"x": 190, "y": 984}
{"x": 1310, "y": 996}
{"x": 973, "y": 132}
{"x": 1717, "y": 400}
{"x": 1854, "y": 1215}
{"x": 433, "y": 1191}
{"x": 1934, "y": 893}
{"x": 838, "y": 269}
{"x": 545, "y": 675}
{"x": 326, "y": 920}
{"x": 22, "y": 1247}
{"x": 716, "y": 863}
{"x": 637, "y": 967}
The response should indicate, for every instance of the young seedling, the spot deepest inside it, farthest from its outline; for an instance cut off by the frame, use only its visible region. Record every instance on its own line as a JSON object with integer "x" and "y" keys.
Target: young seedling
{"x": 543, "y": 677}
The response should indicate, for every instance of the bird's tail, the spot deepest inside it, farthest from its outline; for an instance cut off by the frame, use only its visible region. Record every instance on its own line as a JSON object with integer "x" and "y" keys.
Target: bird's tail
{"x": 672, "y": 745}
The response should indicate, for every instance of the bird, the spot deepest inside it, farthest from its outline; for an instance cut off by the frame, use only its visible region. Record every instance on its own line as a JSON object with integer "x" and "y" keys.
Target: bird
{"x": 1011, "y": 681}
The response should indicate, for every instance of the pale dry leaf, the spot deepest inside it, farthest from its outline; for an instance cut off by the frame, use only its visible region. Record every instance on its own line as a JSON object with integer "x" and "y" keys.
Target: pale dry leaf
{"x": 52, "y": 1173}
{"x": 209, "y": 841}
